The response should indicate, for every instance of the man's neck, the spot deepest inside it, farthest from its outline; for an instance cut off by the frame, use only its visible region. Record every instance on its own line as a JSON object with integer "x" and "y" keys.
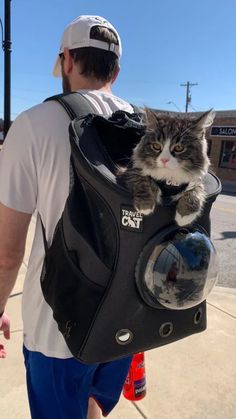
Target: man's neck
{"x": 91, "y": 84}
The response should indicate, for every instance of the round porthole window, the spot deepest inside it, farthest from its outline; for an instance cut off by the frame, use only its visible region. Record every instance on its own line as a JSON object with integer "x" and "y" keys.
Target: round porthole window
{"x": 177, "y": 270}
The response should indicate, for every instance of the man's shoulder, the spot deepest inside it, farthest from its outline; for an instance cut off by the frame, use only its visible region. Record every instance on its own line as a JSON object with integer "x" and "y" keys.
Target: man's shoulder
{"x": 40, "y": 122}
{"x": 46, "y": 109}
{"x": 44, "y": 117}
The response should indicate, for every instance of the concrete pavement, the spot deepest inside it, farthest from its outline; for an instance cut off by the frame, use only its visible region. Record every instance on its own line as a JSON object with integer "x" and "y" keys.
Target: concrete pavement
{"x": 194, "y": 378}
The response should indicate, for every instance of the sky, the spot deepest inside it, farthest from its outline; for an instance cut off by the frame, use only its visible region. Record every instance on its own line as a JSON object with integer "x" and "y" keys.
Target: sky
{"x": 165, "y": 44}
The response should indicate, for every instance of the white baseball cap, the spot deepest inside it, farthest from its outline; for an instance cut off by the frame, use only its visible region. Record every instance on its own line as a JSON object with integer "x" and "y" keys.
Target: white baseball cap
{"x": 77, "y": 35}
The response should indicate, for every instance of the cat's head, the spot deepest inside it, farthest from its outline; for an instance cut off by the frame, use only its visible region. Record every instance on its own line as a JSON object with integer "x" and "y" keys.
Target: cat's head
{"x": 173, "y": 147}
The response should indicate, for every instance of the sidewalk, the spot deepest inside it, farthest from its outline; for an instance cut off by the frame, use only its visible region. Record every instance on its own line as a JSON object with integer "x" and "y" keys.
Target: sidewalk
{"x": 194, "y": 378}
{"x": 228, "y": 187}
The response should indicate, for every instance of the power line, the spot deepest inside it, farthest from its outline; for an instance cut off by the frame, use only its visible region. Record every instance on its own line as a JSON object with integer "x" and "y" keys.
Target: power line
{"x": 188, "y": 85}
{"x": 194, "y": 109}
{"x": 173, "y": 103}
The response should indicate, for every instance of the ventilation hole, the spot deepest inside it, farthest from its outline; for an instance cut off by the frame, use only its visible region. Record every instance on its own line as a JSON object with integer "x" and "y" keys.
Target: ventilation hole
{"x": 166, "y": 329}
{"x": 198, "y": 316}
{"x": 124, "y": 336}
{"x": 183, "y": 231}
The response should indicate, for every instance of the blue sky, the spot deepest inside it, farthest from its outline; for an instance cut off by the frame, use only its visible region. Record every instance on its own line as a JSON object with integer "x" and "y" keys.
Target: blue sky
{"x": 165, "y": 43}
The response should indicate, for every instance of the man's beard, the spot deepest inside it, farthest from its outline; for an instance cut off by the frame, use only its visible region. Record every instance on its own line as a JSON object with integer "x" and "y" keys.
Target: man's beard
{"x": 66, "y": 87}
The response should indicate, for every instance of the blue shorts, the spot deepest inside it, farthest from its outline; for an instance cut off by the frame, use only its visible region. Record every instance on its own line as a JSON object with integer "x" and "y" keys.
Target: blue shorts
{"x": 60, "y": 388}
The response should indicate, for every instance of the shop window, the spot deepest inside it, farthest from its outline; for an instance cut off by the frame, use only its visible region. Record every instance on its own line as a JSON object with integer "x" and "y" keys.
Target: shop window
{"x": 209, "y": 144}
{"x": 228, "y": 155}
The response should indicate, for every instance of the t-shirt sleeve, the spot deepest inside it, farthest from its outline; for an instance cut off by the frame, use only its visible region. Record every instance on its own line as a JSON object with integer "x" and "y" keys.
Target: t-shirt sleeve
{"x": 18, "y": 171}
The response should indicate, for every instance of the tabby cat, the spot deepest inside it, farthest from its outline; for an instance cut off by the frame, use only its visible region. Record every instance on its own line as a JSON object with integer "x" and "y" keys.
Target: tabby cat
{"x": 172, "y": 153}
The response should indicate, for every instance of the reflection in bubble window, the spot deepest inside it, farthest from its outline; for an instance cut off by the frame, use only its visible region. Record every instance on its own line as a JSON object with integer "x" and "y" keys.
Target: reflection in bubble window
{"x": 228, "y": 155}
{"x": 180, "y": 273}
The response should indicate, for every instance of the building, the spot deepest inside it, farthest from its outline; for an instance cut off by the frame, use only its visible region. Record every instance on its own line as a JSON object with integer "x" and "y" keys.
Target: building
{"x": 1, "y": 131}
{"x": 221, "y": 137}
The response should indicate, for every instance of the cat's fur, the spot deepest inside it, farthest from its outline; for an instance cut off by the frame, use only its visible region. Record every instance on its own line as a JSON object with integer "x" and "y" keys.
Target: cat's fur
{"x": 174, "y": 150}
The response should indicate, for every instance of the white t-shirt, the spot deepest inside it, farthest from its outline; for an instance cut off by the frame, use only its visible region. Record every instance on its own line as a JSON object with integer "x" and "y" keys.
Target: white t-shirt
{"x": 34, "y": 176}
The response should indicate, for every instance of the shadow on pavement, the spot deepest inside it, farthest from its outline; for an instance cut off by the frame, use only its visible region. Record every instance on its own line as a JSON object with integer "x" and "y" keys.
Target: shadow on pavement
{"x": 227, "y": 235}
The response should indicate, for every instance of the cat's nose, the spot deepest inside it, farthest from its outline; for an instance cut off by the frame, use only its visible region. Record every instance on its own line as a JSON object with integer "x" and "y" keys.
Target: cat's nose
{"x": 164, "y": 161}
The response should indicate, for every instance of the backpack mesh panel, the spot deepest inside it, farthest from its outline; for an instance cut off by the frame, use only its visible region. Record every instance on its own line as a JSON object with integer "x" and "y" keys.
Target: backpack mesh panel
{"x": 69, "y": 293}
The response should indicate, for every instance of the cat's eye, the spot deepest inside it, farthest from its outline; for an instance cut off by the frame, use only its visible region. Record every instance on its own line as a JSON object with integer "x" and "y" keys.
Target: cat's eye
{"x": 156, "y": 146}
{"x": 178, "y": 148}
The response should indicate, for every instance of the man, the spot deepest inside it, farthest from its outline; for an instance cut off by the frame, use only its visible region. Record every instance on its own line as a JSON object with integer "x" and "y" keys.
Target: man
{"x": 34, "y": 176}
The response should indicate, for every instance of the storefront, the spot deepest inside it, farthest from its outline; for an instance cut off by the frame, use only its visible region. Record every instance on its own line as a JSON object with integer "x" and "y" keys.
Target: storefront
{"x": 221, "y": 138}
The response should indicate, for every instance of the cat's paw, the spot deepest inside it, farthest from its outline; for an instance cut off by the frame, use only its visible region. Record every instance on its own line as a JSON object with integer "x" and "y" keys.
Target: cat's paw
{"x": 186, "y": 219}
{"x": 144, "y": 209}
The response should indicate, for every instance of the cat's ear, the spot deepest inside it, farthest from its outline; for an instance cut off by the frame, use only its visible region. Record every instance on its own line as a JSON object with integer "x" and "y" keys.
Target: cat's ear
{"x": 205, "y": 120}
{"x": 151, "y": 119}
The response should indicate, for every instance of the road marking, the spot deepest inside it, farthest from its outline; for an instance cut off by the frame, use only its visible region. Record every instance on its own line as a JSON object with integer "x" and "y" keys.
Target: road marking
{"x": 231, "y": 210}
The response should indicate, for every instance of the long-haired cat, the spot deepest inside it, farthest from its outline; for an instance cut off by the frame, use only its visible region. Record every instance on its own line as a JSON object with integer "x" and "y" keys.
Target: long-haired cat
{"x": 173, "y": 152}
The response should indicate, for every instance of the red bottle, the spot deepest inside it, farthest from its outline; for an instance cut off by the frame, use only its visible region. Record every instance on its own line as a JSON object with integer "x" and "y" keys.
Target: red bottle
{"x": 135, "y": 383}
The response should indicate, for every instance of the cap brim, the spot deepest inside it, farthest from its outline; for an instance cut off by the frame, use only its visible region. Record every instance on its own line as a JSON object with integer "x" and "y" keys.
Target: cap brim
{"x": 57, "y": 68}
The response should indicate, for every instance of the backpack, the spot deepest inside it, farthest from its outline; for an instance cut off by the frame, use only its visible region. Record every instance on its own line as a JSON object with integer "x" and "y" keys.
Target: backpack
{"x": 102, "y": 272}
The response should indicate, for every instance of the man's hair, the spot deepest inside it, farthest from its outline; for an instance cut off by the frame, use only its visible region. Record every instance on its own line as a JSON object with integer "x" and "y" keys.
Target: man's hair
{"x": 95, "y": 62}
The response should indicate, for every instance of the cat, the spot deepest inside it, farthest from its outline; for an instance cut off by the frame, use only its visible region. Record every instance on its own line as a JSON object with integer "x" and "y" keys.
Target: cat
{"x": 173, "y": 153}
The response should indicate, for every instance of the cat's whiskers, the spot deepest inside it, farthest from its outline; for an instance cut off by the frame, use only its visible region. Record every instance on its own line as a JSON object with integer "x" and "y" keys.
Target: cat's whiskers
{"x": 201, "y": 171}
{"x": 175, "y": 175}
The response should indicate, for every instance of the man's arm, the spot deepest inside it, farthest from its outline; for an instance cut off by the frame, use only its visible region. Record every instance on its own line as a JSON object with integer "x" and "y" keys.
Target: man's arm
{"x": 13, "y": 231}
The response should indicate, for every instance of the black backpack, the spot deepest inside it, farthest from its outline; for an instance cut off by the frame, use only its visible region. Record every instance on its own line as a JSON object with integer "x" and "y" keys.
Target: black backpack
{"x": 92, "y": 270}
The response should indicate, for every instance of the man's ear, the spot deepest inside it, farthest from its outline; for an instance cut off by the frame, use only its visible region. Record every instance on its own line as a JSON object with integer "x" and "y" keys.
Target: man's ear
{"x": 116, "y": 74}
{"x": 67, "y": 62}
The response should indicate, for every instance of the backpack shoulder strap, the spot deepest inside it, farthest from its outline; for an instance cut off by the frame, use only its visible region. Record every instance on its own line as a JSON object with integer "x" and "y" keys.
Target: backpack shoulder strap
{"x": 75, "y": 104}
{"x": 136, "y": 109}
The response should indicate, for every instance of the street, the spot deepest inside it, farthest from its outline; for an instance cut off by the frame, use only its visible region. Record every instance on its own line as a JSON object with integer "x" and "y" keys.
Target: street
{"x": 223, "y": 234}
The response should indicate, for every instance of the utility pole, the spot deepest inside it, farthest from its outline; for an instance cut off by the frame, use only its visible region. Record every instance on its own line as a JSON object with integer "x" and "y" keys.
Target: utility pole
{"x": 188, "y": 85}
{"x": 7, "y": 67}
